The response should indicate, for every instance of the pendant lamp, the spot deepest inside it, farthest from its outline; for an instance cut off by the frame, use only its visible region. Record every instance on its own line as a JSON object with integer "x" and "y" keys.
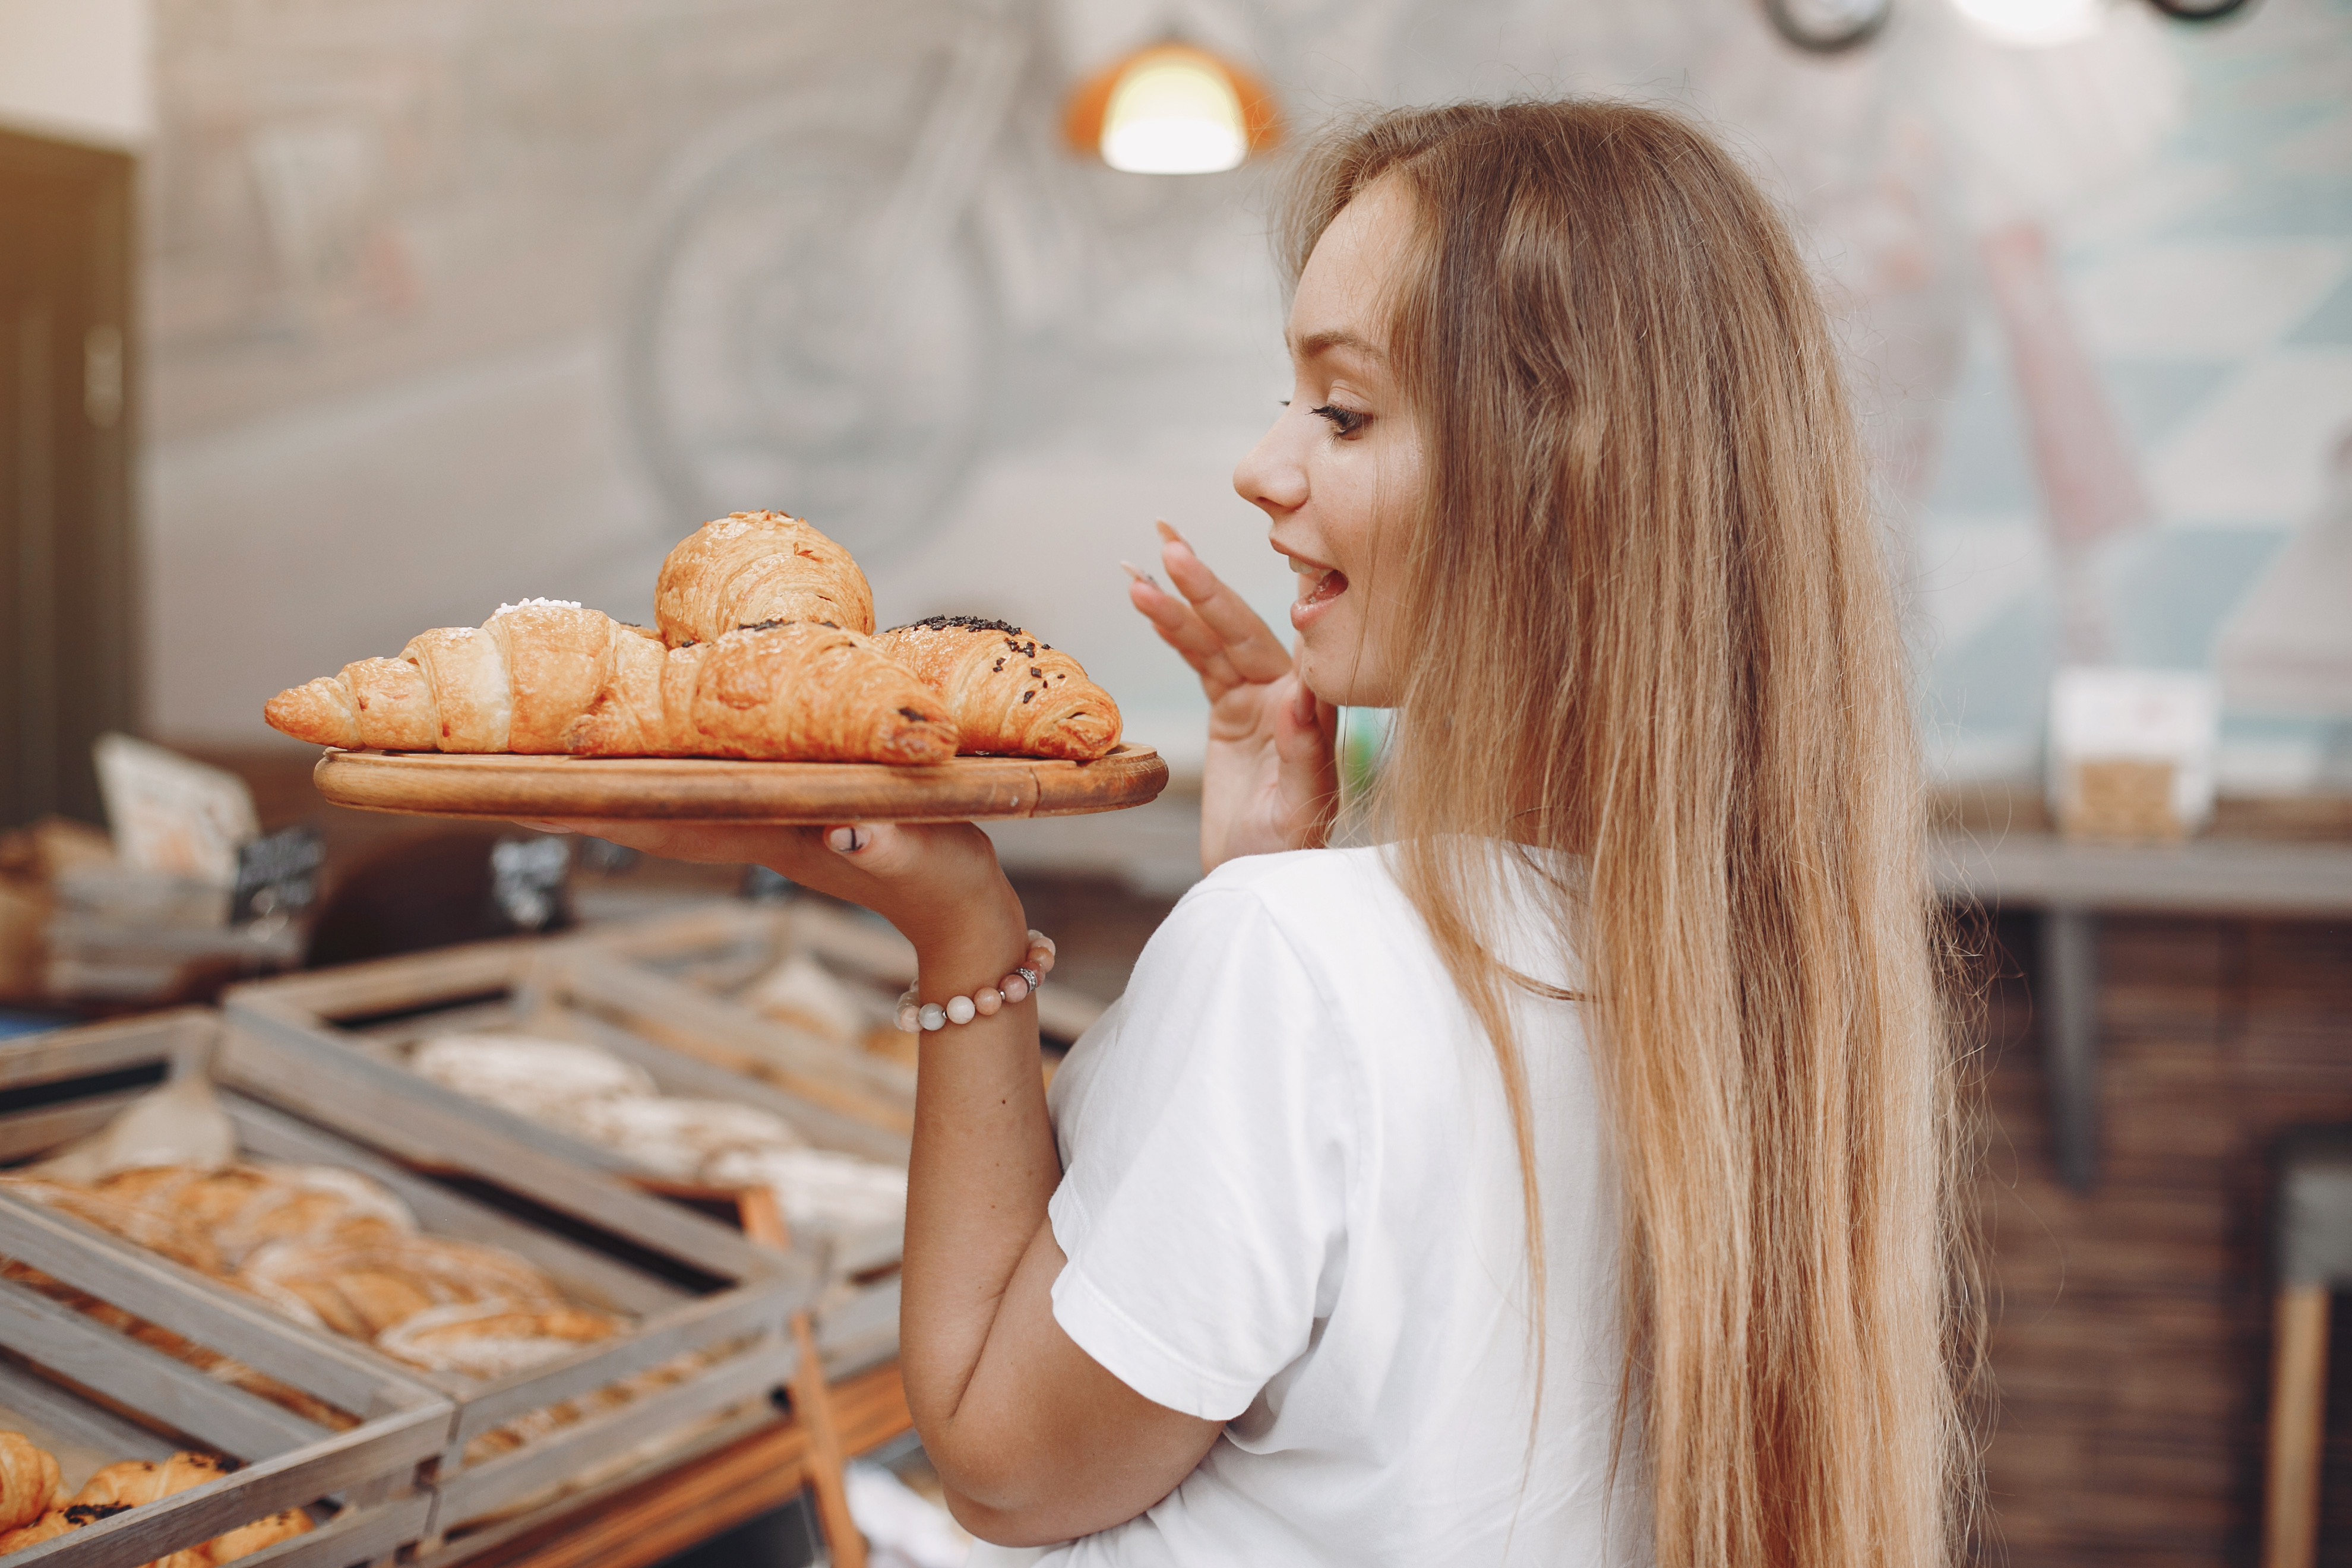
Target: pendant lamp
{"x": 1172, "y": 108}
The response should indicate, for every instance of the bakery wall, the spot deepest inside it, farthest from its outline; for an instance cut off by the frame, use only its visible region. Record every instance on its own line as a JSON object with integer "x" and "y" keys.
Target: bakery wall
{"x": 457, "y": 301}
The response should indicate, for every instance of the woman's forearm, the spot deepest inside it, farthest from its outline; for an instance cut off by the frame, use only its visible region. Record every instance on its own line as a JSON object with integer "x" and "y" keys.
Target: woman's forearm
{"x": 984, "y": 1167}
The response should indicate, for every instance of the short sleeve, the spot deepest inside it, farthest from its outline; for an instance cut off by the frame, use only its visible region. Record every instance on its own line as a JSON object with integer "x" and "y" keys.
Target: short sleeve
{"x": 1206, "y": 1156}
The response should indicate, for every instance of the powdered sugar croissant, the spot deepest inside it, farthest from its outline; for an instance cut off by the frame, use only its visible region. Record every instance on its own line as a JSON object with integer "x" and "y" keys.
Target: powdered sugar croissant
{"x": 1007, "y": 692}
{"x": 514, "y": 684}
{"x": 753, "y": 566}
{"x": 798, "y": 691}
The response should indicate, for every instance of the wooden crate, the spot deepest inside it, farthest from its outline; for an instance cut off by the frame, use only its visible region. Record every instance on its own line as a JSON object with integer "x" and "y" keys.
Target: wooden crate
{"x": 290, "y": 1099}
{"x": 365, "y": 1017}
{"x": 81, "y": 1384}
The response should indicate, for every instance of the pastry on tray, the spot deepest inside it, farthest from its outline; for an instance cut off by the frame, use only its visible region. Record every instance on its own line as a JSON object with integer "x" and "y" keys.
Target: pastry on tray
{"x": 764, "y": 651}
{"x": 28, "y": 1480}
{"x": 515, "y": 683}
{"x": 789, "y": 691}
{"x": 753, "y": 566}
{"x": 1007, "y": 692}
{"x": 134, "y": 1481}
{"x": 29, "y": 1485}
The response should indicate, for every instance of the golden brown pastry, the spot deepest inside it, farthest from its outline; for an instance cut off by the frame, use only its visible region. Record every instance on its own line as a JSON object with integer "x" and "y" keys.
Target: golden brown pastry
{"x": 28, "y": 1481}
{"x": 362, "y": 1290}
{"x": 1007, "y": 692}
{"x": 795, "y": 691}
{"x": 135, "y": 1481}
{"x": 753, "y": 566}
{"x": 513, "y": 684}
{"x": 489, "y": 1338}
{"x": 130, "y": 1482}
{"x": 157, "y": 1230}
{"x": 247, "y": 1538}
{"x": 49, "y": 1526}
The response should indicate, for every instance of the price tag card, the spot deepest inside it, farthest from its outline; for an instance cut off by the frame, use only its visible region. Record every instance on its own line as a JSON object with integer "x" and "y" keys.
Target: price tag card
{"x": 277, "y": 875}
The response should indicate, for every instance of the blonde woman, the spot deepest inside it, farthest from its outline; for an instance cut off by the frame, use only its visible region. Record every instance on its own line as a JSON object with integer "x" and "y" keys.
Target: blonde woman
{"x": 1566, "y": 1179}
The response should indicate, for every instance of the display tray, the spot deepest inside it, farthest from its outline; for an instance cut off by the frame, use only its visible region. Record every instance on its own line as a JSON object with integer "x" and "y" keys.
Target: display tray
{"x": 689, "y": 1283}
{"x": 705, "y": 789}
{"x": 369, "y": 1016}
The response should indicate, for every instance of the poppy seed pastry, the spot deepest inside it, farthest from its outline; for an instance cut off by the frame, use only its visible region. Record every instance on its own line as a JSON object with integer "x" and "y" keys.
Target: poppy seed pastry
{"x": 1007, "y": 692}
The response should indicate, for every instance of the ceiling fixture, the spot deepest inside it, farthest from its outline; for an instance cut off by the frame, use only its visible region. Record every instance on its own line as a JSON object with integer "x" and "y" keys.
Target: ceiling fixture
{"x": 1828, "y": 26}
{"x": 1172, "y": 110}
{"x": 1834, "y": 26}
{"x": 2033, "y": 24}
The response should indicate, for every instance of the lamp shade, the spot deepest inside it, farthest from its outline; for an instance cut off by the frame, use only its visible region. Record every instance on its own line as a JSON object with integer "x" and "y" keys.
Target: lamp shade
{"x": 1172, "y": 110}
{"x": 2033, "y": 24}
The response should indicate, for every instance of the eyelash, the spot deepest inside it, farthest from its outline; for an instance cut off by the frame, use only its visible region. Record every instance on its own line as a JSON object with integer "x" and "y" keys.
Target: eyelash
{"x": 1346, "y": 421}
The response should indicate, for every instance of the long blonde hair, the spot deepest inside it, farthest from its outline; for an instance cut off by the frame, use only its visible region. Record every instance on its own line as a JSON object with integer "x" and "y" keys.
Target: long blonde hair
{"x": 1659, "y": 636}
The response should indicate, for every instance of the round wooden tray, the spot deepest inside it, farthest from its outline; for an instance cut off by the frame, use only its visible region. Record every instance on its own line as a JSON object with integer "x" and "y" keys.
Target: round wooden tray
{"x": 701, "y": 789}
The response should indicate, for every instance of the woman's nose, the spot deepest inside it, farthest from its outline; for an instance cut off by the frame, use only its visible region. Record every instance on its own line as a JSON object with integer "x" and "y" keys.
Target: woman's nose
{"x": 1273, "y": 476}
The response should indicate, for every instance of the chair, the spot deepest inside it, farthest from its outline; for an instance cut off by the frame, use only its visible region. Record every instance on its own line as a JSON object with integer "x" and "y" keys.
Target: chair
{"x": 2313, "y": 1254}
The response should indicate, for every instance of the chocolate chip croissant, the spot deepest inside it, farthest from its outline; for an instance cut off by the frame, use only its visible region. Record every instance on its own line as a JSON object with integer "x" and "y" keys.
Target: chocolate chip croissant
{"x": 135, "y": 1481}
{"x": 795, "y": 691}
{"x": 1007, "y": 692}
{"x": 753, "y": 566}
{"x": 515, "y": 683}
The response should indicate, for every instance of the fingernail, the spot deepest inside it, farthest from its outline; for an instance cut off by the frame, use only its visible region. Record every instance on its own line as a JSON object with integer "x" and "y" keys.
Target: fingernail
{"x": 848, "y": 840}
{"x": 1140, "y": 575}
{"x": 1168, "y": 533}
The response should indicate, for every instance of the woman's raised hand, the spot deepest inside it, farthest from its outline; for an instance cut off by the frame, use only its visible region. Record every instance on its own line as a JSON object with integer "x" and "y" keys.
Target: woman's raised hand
{"x": 1272, "y": 778}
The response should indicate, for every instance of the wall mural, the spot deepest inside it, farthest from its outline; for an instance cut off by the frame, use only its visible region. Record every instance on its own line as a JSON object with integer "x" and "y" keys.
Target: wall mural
{"x": 472, "y": 299}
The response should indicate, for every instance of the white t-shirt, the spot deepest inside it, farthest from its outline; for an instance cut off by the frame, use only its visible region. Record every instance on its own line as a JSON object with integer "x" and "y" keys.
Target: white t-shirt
{"x": 1291, "y": 1202}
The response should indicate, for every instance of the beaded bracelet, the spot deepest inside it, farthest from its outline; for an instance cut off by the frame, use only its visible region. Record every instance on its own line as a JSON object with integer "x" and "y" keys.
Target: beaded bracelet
{"x": 1015, "y": 988}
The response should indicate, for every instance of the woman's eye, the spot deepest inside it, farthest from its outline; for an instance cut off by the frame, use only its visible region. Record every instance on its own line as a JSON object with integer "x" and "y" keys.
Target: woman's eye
{"x": 1347, "y": 421}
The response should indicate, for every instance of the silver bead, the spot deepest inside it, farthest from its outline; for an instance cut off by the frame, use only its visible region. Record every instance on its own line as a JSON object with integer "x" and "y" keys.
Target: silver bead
{"x": 1031, "y": 975}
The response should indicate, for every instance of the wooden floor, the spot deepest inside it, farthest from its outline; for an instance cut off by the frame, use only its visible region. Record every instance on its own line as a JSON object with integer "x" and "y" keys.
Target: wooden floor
{"x": 2131, "y": 1346}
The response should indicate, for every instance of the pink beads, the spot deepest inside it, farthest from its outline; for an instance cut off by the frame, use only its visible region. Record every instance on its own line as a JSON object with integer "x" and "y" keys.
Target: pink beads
{"x": 984, "y": 1003}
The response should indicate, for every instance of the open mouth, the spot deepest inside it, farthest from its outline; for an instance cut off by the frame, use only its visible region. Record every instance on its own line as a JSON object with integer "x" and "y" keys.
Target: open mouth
{"x": 1318, "y": 584}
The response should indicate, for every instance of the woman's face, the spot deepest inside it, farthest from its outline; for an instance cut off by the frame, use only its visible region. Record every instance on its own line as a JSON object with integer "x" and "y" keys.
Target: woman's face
{"x": 1340, "y": 472}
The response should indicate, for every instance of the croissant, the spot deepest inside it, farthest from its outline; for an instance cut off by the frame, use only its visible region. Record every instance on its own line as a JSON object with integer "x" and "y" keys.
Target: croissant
{"x": 513, "y": 684}
{"x": 28, "y": 1481}
{"x": 1006, "y": 692}
{"x": 247, "y": 1538}
{"x": 48, "y": 1527}
{"x": 799, "y": 692}
{"x": 135, "y": 1481}
{"x": 753, "y": 566}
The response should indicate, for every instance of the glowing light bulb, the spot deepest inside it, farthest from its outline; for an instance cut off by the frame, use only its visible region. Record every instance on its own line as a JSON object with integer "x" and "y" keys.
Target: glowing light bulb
{"x": 1174, "y": 112}
{"x": 2033, "y": 24}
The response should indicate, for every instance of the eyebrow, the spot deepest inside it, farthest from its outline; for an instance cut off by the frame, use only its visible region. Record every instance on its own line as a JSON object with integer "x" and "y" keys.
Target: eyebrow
{"x": 1315, "y": 343}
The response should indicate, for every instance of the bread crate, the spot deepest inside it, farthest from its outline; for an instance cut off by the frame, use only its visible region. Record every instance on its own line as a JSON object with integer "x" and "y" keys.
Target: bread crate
{"x": 93, "y": 1392}
{"x": 705, "y": 1313}
{"x": 371, "y": 1018}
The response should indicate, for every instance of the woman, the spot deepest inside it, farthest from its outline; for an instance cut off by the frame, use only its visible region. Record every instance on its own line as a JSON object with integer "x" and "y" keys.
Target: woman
{"x": 1569, "y": 1180}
